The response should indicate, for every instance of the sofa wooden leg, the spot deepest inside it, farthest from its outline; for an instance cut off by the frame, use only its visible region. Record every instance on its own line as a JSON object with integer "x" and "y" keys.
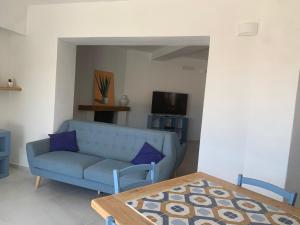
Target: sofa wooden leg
{"x": 37, "y": 182}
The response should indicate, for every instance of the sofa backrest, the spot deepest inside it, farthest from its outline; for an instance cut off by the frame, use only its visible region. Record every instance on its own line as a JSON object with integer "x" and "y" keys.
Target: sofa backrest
{"x": 112, "y": 141}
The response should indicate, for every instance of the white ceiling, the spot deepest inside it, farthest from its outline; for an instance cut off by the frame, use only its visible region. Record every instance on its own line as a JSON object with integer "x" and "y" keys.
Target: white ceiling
{"x": 149, "y": 49}
{"x": 63, "y": 1}
{"x": 197, "y": 52}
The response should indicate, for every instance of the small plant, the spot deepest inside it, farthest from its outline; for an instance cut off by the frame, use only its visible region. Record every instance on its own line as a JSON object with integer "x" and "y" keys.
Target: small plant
{"x": 103, "y": 85}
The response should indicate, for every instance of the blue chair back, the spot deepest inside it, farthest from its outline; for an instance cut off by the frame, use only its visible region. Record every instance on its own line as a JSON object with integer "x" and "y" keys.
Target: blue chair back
{"x": 290, "y": 197}
{"x": 110, "y": 221}
{"x": 117, "y": 174}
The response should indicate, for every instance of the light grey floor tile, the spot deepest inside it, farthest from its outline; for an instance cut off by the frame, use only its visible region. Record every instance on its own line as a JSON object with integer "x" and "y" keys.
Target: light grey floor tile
{"x": 54, "y": 203}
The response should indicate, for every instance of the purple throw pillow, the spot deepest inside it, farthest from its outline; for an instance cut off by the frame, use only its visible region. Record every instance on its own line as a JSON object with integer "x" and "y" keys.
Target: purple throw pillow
{"x": 65, "y": 141}
{"x": 147, "y": 154}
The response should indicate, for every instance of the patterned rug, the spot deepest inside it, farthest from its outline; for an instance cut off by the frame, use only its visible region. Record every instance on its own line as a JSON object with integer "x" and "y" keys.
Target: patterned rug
{"x": 205, "y": 203}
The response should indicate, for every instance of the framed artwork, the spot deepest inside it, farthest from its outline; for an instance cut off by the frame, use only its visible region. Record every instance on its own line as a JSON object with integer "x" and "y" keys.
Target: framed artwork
{"x": 104, "y": 88}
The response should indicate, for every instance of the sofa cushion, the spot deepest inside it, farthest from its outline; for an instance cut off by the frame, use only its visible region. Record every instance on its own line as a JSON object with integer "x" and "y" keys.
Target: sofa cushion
{"x": 102, "y": 172}
{"x": 147, "y": 155}
{"x": 67, "y": 163}
{"x": 65, "y": 141}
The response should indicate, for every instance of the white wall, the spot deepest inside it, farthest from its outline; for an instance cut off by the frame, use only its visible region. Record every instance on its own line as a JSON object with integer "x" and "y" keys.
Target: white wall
{"x": 16, "y": 112}
{"x": 293, "y": 174}
{"x": 272, "y": 92}
{"x": 4, "y": 74}
{"x": 13, "y": 15}
{"x": 10, "y": 100}
{"x": 251, "y": 81}
{"x": 248, "y": 114}
{"x": 31, "y": 116}
{"x": 4, "y": 56}
{"x": 89, "y": 59}
{"x": 143, "y": 76}
{"x": 65, "y": 83}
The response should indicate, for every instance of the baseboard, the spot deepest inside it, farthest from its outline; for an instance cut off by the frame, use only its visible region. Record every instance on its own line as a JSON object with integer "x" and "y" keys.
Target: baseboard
{"x": 14, "y": 165}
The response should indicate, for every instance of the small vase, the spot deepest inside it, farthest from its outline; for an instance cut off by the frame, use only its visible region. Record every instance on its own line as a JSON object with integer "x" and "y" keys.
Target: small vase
{"x": 124, "y": 100}
{"x": 10, "y": 82}
{"x": 105, "y": 100}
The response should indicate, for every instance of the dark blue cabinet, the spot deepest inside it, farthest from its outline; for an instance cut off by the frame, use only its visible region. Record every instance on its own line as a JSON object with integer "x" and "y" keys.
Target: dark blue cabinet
{"x": 178, "y": 124}
{"x": 4, "y": 153}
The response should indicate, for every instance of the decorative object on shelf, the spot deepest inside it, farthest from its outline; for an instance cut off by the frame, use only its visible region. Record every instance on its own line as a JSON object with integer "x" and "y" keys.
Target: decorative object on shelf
{"x": 177, "y": 124}
{"x": 124, "y": 101}
{"x": 103, "y": 85}
{"x": 10, "y": 83}
{"x": 104, "y": 88}
{"x": 11, "y": 86}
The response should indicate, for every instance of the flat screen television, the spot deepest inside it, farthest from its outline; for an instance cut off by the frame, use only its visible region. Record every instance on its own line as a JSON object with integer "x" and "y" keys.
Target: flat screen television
{"x": 169, "y": 103}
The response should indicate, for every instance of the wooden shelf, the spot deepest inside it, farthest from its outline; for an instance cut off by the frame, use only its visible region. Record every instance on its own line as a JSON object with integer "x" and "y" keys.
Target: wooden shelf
{"x": 16, "y": 88}
{"x": 103, "y": 108}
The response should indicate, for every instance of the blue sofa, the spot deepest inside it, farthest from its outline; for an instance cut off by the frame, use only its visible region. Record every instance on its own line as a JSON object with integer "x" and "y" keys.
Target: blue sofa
{"x": 102, "y": 148}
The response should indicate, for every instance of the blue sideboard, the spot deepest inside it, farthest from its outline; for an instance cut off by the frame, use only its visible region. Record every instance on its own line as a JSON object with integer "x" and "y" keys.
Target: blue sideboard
{"x": 178, "y": 124}
{"x": 4, "y": 153}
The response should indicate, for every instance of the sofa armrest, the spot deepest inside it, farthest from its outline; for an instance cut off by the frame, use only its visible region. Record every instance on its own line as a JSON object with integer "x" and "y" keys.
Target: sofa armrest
{"x": 165, "y": 168}
{"x": 36, "y": 148}
{"x": 181, "y": 150}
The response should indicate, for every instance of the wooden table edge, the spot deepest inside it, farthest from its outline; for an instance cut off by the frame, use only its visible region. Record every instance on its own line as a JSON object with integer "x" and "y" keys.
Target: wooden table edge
{"x": 106, "y": 210}
{"x": 107, "y": 206}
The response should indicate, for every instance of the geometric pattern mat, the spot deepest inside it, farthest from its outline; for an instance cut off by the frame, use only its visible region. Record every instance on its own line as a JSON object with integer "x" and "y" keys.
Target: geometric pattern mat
{"x": 205, "y": 203}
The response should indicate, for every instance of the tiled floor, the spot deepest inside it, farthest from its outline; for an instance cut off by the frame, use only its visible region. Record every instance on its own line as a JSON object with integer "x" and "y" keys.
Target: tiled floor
{"x": 55, "y": 203}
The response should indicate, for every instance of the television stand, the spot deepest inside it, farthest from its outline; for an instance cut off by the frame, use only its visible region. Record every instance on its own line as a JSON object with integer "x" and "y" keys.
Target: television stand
{"x": 171, "y": 123}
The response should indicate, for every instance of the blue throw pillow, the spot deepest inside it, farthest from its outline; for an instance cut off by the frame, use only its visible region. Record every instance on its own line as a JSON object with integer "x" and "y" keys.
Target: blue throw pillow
{"x": 65, "y": 141}
{"x": 147, "y": 154}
